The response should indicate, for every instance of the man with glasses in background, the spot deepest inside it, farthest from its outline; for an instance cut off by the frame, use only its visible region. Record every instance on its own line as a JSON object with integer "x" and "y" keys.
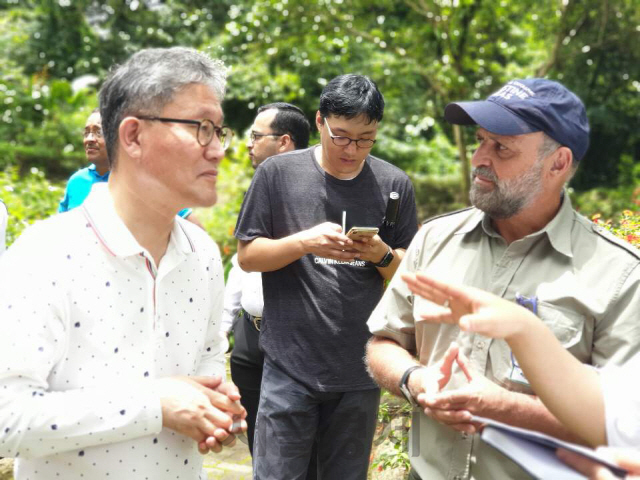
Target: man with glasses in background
{"x": 320, "y": 286}
{"x": 115, "y": 363}
{"x": 279, "y": 127}
{"x": 80, "y": 183}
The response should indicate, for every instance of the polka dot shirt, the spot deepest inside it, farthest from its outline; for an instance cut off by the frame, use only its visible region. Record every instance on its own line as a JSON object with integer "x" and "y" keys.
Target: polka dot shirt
{"x": 89, "y": 323}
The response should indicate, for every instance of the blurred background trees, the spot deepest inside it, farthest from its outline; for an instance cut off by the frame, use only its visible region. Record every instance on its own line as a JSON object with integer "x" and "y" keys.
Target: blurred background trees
{"x": 54, "y": 54}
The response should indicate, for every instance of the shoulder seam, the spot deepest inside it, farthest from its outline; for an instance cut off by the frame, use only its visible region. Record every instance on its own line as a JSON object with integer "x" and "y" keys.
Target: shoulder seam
{"x": 620, "y": 243}
{"x": 442, "y": 215}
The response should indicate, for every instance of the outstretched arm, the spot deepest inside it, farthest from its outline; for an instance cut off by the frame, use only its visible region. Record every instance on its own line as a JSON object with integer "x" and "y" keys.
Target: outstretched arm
{"x": 556, "y": 376}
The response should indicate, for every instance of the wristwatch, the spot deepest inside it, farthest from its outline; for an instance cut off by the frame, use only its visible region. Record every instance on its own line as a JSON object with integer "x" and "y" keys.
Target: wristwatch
{"x": 404, "y": 385}
{"x": 386, "y": 260}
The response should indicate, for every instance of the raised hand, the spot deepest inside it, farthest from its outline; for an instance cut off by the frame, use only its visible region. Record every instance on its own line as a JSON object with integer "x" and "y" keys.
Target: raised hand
{"x": 474, "y": 310}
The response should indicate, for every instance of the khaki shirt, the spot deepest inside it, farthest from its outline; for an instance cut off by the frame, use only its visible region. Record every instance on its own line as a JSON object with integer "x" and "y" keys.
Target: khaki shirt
{"x": 586, "y": 283}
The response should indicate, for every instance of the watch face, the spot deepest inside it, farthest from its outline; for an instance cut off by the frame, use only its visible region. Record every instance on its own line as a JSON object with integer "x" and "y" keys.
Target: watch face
{"x": 386, "y": 260}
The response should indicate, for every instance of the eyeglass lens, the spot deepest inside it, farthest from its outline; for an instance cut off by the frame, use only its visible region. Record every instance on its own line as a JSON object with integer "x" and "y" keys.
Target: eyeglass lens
{"x": 96, "y": 132}
{"x": 207, "y": 130}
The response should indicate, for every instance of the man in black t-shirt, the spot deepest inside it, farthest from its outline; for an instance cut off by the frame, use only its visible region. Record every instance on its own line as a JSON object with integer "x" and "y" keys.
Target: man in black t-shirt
{"x": 320, "y": 286}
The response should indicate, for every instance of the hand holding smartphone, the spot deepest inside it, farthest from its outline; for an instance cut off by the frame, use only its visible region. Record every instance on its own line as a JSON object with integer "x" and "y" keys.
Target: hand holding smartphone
{"x": 361, "y": 233}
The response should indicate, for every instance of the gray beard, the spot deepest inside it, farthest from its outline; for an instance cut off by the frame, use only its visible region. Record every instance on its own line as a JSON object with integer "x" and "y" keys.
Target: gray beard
{"x": 508, "y": 197}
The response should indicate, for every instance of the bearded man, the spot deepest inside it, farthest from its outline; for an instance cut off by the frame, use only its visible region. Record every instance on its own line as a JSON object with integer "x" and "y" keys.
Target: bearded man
{"x": 521, "y": 241}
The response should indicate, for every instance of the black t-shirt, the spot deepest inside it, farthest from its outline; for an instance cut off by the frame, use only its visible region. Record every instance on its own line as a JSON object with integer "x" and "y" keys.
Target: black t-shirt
{"x": 314, "y": 324}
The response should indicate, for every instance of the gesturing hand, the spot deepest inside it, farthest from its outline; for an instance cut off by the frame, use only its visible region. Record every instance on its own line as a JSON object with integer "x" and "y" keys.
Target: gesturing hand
{"x": 479, "y": 397}
{"x": 473, "y": 309}
{"x": 427, "y": 384}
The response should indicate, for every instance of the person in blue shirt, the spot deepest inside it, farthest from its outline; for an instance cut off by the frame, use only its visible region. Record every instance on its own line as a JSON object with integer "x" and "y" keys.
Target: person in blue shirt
{"x": 80, "y": 183}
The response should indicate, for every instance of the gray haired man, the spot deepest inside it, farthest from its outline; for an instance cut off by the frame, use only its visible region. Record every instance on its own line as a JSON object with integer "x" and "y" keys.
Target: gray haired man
{"x": 115, "y": 362}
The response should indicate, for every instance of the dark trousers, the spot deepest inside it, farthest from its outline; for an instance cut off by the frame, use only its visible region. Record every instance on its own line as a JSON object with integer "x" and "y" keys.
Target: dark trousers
{"x": 246, "y": 369}
{"x": 246, "y": 372}
{"x": 292, "y": 416}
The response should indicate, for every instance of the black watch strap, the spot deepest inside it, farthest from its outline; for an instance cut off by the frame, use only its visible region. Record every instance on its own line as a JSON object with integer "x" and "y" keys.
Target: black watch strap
{"x": 386, "y": 260}
{"x": 404, "y": 387}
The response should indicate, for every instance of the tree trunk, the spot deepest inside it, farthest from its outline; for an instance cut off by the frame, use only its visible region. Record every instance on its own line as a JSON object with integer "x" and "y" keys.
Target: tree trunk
{"x": 462, "y": 151}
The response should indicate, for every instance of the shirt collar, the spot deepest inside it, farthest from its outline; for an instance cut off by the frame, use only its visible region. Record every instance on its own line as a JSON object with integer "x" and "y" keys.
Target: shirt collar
{"x": 93, "y": 171}
{"x": 114, "y": 234}
{"x": 558, "y": 230}
{"x": 472, "y": 223}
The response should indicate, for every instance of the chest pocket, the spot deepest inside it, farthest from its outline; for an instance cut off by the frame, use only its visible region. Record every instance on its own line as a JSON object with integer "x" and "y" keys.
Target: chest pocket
{"x": 567, "y": 326}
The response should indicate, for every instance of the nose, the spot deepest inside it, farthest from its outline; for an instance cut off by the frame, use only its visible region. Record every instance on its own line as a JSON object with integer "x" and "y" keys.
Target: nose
{"x": 481, "y": 156}
{"x": 351, "y": 149}
{"x": 214, "y": 151}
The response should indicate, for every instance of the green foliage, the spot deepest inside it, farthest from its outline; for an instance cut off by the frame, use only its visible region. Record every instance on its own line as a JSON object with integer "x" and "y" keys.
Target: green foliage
{"x": 28, "y": 199}
{"x": 394, "y": 422}
{"x": 616, "y": 210}
{"x": 607, "y": 202}
{"x": 436, "y": 195}
{"x": 42, "y": 117}
{"x": 422, "y": 54}
{"x": 234, "y": 178}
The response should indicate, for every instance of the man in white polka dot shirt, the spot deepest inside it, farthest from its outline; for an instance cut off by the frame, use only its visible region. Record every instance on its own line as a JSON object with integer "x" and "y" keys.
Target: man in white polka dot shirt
{"x": 112, "y": 361}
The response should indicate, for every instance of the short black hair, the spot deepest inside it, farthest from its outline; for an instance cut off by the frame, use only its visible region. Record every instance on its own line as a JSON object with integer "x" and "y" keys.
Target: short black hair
{"x": 290, "y": 120}
{"x": 352, "y": 95}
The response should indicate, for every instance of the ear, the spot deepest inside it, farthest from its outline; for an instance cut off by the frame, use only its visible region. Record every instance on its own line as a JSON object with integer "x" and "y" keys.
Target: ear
{"x": 562, "y": 161}
{"x": 285, "y": 143}
{"x": 319, "y": 121}
{"x": 129, "y": 136}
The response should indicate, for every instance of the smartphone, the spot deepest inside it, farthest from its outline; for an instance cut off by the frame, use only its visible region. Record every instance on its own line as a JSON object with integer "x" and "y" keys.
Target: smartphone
{"x": 358, "y": 233}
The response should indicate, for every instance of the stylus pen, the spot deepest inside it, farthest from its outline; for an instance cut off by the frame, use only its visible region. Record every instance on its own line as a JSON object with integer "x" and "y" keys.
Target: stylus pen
{"x": 344, "y": 222}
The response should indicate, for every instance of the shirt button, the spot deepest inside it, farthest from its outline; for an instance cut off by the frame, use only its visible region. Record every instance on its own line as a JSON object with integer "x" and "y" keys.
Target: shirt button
{"x": 465, "y": 435}
{"x": 480, "y": 345}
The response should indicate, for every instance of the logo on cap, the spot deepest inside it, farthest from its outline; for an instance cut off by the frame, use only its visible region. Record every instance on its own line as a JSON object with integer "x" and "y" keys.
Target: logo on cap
{"x": 514, "y": 88}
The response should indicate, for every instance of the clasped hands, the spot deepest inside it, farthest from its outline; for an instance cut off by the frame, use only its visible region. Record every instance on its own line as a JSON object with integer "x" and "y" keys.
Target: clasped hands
{"x": 205, "y": 409}
{"x": 327, "y": 240}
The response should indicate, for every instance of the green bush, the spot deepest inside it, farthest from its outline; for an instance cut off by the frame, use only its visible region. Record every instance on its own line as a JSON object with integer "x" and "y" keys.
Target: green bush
{"x": 28, "y": 198}
{"x": 219, "y": 221}
{"x": 437, "y": 195}
{"x": 608, "y": 202}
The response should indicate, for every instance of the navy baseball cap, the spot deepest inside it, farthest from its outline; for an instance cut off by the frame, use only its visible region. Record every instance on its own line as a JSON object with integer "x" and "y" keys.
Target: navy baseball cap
{"x": 527, "y": 106}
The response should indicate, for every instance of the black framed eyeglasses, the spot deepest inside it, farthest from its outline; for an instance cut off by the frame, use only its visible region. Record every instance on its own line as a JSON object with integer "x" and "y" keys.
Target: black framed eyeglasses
{"x": 206, "y": 129}
{"x": 344, "y": 141}
{"x": 253, "y": 136}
